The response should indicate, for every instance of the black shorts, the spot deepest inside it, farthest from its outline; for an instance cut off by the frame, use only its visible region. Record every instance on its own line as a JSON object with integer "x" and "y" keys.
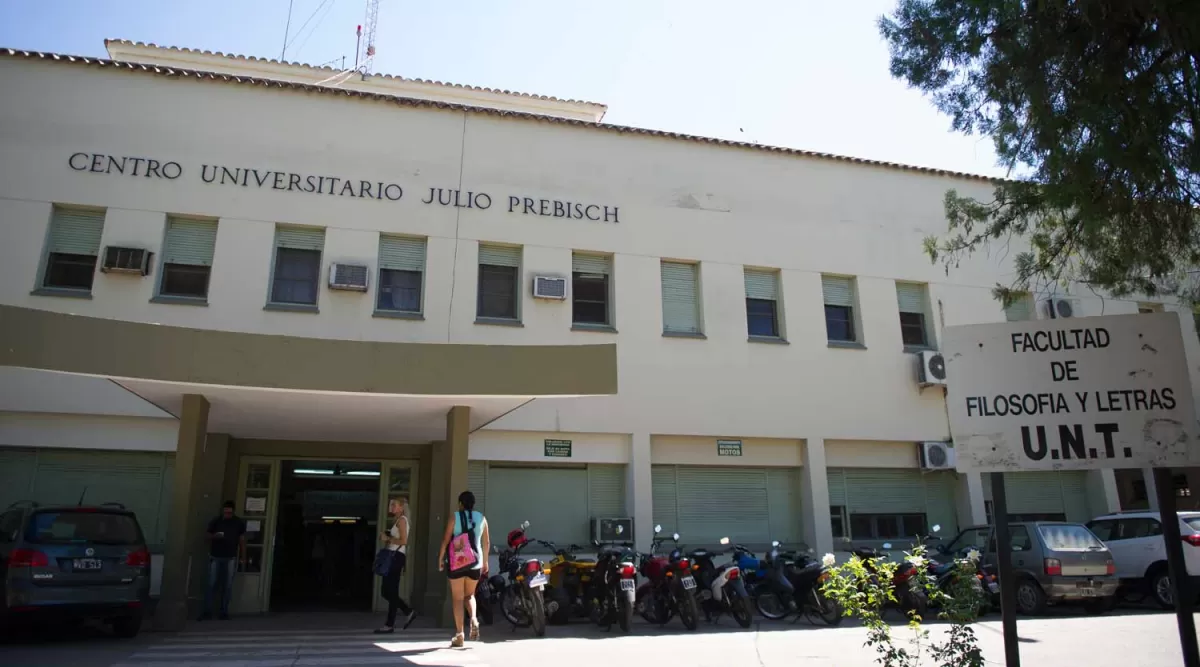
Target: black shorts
{"x": 469, "y": 574}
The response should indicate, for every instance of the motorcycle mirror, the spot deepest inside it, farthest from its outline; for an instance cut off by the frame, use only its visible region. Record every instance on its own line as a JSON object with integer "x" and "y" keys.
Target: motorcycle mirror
{"x": 1016, "y": 547}
{"x": 657, "y": 529}
{"x": 812, "y": 550}
{"x": 524, "y": 525}
{"x": 724, "y": 540}
{"x": 620, "y": 529}
{"x": 775, "y": 543}
{"x": 887, "y": 545}
{"x": 675, "y": 537}
{"x": 937, "y": 528}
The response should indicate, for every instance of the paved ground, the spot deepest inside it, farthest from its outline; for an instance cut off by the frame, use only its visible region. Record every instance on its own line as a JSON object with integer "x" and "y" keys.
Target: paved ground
{"x": 1128, "y": 638}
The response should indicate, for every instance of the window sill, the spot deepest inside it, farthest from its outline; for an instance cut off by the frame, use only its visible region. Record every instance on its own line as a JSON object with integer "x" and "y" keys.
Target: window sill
{"x": 917, "y": 349}
{"x": 769, "y": 340}
{"x": 497, "y": 322}
{"x": 398, "y": 315}
{"x": 684, "y": 334}
{"x": 292, "y": 307}
{"x": 179, "y": 300}
{"x": 847, "y": 345}
{"x": 62, "y": 292}
{"x": 596, "y": 328}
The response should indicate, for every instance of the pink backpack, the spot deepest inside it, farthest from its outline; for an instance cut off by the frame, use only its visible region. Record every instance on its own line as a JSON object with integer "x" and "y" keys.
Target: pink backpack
{"x": 461, "y": 554}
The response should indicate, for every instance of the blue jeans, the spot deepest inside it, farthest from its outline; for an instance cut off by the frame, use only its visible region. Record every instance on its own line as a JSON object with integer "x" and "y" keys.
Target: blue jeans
{"x": 220, "y": 573}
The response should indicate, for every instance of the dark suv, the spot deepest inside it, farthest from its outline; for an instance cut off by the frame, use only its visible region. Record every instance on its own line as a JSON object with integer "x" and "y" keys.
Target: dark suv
{"x": 63, "y": 563}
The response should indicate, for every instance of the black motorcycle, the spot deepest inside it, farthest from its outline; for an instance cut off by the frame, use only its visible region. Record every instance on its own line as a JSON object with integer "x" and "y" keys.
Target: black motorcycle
{"x": 518, "y": 589}
{"x": 808, "y": 575}
{"x": 767, "y": 581}
{"x": 906, "y": 583}
{"x": 720, "y": 589}
{"x": 614, "y": 587}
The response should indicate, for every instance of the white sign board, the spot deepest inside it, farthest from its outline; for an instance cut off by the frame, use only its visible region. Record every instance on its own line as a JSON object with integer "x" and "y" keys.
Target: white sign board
{"x": 1071, "y": 394}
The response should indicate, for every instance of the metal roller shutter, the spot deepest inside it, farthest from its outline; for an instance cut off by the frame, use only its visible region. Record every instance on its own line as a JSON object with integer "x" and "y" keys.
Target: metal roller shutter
{"x": 1033, "y": 492}
{"x": 1075, "y": 496}
{"x": 500, "y": 255}
{"x": 17, "y": 472}
{"x": 681, "y": 305}
{"x": 401, "y": 253}
{"x": 477, "y": 472}
{"x": 606, "y": 490}
{"x": 663, "y": 489}
{"x": 300, "y": 238}
{"x": 190, "y": 242}
{"x": 75, "y": 232}
{"x": 836, "y": 479}
{"x": 941, "y": 501}
{"x": 595, "y": 264}
{"x": 553, "y": 500}
{"x": 884, "y": 491}
{"x": 838, "y": 291}
{"x": 783, "y": 504}
{"x": 722, "y": 502}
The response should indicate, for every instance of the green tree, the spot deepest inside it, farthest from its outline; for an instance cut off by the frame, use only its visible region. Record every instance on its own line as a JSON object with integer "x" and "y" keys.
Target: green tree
{"x": 1093, "y": 105}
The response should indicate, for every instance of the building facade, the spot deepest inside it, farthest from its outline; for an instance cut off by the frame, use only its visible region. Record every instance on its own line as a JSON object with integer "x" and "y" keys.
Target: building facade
{"x": 219, "y": 279}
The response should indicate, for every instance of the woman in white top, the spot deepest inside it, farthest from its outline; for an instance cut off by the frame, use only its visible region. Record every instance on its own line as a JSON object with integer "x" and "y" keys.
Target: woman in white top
{"x": 396, "y": 540}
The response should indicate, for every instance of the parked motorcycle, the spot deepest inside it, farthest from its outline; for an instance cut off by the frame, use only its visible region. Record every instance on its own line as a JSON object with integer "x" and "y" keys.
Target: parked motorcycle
{"x": 767, "y": 581}
{"x": 808, "y": 575}
{"x": 520, "y": 587}
{"x": 614, "y": 588}
{"x": 721, "y": 588}
{"x": 909, "y": 593}
{"x": 569, "y": 593}
{"x": 670, "y": 586}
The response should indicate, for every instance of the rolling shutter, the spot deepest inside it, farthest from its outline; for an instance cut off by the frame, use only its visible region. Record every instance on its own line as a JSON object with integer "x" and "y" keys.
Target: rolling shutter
{"x": 663, "y": 489}
{"x": 299, "y": 238}
{"x": 836, "y": 479}
{"x": 681, "y": 312}
{"x": 596, "y": 264}
{"x": 553, "y": 500}
{"x": 1033, "y": 492}
{"x": 722, "y": 502}
{"x": 838, "y": 291}
{"x": 762, "y": 284}
{"x": 783, "y": 505}
{"x": 1075, "y": 496}
{"x": 477, "y": 472}
{"x": 401, "y": 253}
{"x": 500, "y": 255}
{"x": 910, "y": 297}
{"x": 884, "y": 491}
{"x": 17, "y": 472}
{"x": 190, "y": 242}
{"x": 941, "y": 501}
{"x": 1020, "y": 310}
{"x": 606, "y": 490}
{"x": 76, "y": 232}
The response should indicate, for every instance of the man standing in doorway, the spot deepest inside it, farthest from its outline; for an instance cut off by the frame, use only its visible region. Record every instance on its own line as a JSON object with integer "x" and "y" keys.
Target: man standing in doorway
{"x": 227, "y": 539}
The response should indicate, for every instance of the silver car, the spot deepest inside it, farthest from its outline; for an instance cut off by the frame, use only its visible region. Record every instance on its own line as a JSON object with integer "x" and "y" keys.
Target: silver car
{"x": 64, "y": 563}
{"x": 1055, "y": 562}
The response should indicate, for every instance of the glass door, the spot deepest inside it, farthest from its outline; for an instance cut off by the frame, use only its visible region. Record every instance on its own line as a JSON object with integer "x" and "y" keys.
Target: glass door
{"x": 258, "y": 486}
{"x": 399, "y": 481}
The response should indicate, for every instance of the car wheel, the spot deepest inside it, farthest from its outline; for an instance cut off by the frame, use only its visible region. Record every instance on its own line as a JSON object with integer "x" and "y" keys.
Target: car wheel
{"x": 1160, "y": 588}
{"x": 127, "y": 627}
{"x": 1031, "y": 600}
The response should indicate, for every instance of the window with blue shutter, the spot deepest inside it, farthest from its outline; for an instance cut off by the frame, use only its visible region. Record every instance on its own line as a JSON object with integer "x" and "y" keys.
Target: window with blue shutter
{"x": 590, "y": 289}
{"x": 72, "y": 248}
{"x": 297, "y": 275}
{"x": 499, "y": 282}
{"x": 910, "y": 299}
{"x": 401, "y": 273}
{"x": 762, "y": 303}
{"x": 839, "y": 308}
{"x": 187, "y": 258}
{"x": 680, "y": 298}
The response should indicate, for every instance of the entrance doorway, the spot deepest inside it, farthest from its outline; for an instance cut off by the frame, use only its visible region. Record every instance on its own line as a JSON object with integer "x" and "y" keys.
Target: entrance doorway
{"x": 326, "y": 536}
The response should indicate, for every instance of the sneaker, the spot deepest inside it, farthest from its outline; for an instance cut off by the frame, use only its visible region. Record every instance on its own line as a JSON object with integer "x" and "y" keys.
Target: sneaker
{"x": 408, "y": 620}
{"x": 457, "y": 642}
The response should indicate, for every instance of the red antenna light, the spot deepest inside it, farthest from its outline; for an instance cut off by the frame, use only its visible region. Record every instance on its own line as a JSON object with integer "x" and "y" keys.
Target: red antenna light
{"x": 359, "y": 31}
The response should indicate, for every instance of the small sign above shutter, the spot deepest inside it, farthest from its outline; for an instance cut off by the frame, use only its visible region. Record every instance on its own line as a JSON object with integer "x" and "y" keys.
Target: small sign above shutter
{"x": 558, "y": 449}
{"x": 729, "y": 448}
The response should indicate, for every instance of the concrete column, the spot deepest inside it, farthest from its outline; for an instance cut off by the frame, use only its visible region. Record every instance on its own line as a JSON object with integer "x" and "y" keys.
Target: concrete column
{"x": 1151, "y": 488}
{"x": 818, "y": 530}
{"x": 184, "y": 531}
{"x": 448, "y": 478}
{"x": 206, "y": 500}
{"x": 639, "y": 492}
{"x": 1103, "y": 496}
{"x": 971, "y": 508}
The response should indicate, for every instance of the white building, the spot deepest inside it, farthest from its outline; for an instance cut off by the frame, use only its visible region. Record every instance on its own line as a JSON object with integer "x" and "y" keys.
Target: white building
{"x": 737, "y": 352}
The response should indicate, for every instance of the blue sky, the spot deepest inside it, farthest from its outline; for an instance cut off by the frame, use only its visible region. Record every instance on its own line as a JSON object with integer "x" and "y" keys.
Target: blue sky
{"x": 798, "y": 73}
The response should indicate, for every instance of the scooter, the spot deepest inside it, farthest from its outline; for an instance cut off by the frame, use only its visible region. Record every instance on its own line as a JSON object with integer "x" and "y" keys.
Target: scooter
{"x": 721, "y": 588}
{"x": 767, "y": 582}
{"x": 808, "y": 575}
{"x": 670, "y": 588}
{"x": 520, "y": 595}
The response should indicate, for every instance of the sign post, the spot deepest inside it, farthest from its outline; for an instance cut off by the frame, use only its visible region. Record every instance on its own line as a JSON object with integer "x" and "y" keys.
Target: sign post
{"x": 1074, "y": 394}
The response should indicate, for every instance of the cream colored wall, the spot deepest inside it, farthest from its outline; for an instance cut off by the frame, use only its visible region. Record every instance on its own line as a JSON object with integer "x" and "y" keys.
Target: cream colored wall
{"x": 689, "y": 450}
{"x": 27, "y": 390}
{"x": 530, "y": 447}
{"x": 864, "y": 454}
{"x": 24, "y": 429}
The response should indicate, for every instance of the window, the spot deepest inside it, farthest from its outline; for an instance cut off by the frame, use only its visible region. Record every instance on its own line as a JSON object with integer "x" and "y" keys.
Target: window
{"x": 1020, "y": 310}
{"x": 72, "y": 249}
{"x": 70, "y": 526}
{"x": 681, "y": 305}
{"x": 297, "y": 273}
{"x": 187, "y": 258}
{"x": 762, "y": 303}
{"x": 910, "y": 297}
{"x": 590, "y": 290}
{"x": 401, "y": 270}
{"x": 886, "y": 526}
{"x": 837, "y": 519}
{"x": 499, "y": 275}
{"x": 1071, "y": 537}
{"x": 839, "y": 308}
{"x": 1105, "y": 530}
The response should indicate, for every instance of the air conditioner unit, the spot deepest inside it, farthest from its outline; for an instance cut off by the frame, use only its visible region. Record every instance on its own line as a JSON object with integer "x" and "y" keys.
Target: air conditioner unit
{"x": 350, "y": 277}
{"x": 126, "y": 260}
{"x": 612, "y": 530}
{"x": 549, "y": 287}
{"x": 1058, "y": 308}
{"x": 936, "y": 455}
{"x": 931, "y": 368}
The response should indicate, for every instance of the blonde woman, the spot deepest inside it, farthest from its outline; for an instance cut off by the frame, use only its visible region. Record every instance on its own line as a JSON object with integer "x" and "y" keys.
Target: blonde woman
{"x": 396, "y": 541}
{"x": 462, "y": 584}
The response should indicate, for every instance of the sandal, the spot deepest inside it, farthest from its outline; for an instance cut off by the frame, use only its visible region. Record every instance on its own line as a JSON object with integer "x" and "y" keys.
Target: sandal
{"x": 457, "y": 642}
{"x": 474, "y": 632}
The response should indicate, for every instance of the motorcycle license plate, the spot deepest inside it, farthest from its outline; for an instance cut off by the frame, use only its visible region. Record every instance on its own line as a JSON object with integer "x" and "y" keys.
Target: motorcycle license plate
{"x": 993, "y": 586}
{"x": 537, "y": 581}
{"x": 688, "y": 583}
{"x": 627, "y": 584}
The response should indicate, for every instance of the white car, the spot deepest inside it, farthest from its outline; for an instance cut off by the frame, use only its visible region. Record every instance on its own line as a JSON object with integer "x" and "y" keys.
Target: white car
{"x": 1136, "y": 542}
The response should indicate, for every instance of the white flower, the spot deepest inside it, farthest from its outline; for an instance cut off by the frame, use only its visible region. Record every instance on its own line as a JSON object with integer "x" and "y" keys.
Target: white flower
{"x": 917, "y": 561}
{"x": 828, "y": 560}
{"x": 973, "y": 555}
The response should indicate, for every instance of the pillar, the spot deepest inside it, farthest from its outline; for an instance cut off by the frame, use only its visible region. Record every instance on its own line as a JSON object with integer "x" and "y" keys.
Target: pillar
{"x": 1151, "y": 488}
{"x": 639, "y": 491}
{"x": 971, "y": 508}
{"x": 1103, "y": 497}
{"x": 184, "y": 532}
{"x": 448, "y": 478}
{"x": 818, "y": 530}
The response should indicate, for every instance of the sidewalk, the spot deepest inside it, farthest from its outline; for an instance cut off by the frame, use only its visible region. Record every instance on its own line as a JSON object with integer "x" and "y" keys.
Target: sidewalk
{"x": 301, "y": 621}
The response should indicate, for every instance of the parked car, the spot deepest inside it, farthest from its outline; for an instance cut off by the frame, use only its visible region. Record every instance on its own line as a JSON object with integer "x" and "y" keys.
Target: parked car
{"x": 1136, "y": 542}
{"x": 66, "y": 563}
{"x": 1055, "y": 563}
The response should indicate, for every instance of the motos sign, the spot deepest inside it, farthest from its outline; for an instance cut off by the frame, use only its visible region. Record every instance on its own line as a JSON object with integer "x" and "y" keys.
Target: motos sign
{"x": 1071, "y": 394}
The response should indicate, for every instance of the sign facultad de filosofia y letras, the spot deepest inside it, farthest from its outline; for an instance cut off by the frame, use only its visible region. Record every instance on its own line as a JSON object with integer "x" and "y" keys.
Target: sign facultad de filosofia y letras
{"x": 1071, "y": 394}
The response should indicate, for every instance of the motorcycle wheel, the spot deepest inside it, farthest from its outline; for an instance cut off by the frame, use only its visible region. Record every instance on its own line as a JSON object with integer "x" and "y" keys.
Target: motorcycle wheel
{"x": 689, "y": 610}
{"x": 537, "y": 611}
{"x": 918, "y": 603}
{"x": 770, "y": 606}
{"x": 624, "y": 613}
{"x": 739, "y": 608}
{"x": 648, "y": 606}
{"x": 828, "y": 609}
{"x": 511, "y": 608}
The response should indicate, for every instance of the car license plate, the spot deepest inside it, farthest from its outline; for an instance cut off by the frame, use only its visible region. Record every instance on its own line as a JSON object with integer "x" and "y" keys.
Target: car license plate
{"x": 82, "y": 564}
{"x": 537, "y": 581}
{"x": 627, "y": 584}
{"x": 688, "y": 583}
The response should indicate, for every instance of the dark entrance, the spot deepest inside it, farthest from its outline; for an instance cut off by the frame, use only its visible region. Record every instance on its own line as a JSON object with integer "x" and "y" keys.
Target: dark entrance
{"x": 326, "y": 536}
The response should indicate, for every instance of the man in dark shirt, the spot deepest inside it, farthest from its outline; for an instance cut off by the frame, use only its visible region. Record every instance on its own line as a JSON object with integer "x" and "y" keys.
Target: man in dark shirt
{"x": 227, "y": 542}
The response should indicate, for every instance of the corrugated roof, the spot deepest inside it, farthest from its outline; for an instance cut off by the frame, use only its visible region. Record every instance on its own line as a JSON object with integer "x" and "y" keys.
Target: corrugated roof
{"x": 334, "y": 70}
{"x": 200, "y": 75}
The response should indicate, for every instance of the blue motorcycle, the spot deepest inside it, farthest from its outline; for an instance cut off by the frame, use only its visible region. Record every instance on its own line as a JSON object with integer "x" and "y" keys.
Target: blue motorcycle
{"x": 766, "y": 581}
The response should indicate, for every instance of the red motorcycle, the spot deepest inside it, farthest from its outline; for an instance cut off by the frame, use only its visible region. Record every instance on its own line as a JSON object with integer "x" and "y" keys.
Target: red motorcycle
{"x": 670, "y": 588}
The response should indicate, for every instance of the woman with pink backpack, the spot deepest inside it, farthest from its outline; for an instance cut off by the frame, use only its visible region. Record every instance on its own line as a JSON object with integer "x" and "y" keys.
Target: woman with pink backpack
{"x": 464, "y": 556}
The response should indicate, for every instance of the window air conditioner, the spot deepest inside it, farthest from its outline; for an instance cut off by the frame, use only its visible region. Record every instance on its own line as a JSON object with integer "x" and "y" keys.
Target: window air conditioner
{"x": 126, "y": 260}
{"x": 549, "y": 287}
{"x": 612, "y": 530}
{"x": 1058, "y": 308}
{"x": 349, "y": 277}
{"x": 936, "y": 455}
{"x": 931, "y": 369}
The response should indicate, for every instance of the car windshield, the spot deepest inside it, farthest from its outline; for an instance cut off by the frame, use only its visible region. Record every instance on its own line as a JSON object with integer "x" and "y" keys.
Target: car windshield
{"x": 1069, "y": 537}
{"x": 82, "y": 527}
{"x": 1193, "y": 522}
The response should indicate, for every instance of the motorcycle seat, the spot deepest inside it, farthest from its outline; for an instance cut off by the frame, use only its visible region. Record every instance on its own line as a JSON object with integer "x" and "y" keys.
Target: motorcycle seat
{"x": 583, "y": 561}
{"x": 700, "y": 553}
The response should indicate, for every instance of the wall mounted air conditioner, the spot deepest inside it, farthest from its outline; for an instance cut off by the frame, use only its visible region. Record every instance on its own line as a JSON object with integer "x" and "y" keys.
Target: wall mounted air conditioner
{"x": 931, "y": 368}
{"x": 349, "y": 277}
{"x": 135, "y": 261}
{"x": 549, "y": 287}
{"x": 936, "y": 455}
{"x": 607, "y": 529}
{"x": 1058, "y": 308}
